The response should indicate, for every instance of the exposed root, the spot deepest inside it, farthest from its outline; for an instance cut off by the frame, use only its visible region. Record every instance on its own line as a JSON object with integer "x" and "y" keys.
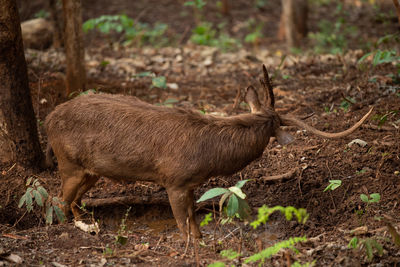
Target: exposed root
{"x": 288, "y": 175}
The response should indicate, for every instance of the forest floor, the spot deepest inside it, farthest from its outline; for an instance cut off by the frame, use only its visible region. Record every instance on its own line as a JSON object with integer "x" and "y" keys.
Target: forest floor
{"x": 207, "y": 79}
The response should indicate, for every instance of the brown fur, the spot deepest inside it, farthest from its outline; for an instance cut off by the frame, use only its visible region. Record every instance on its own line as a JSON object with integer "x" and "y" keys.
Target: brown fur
{"x": 123, "y": 138}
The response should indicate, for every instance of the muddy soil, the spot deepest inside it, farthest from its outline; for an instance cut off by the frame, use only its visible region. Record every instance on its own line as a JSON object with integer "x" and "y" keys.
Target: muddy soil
{"x": 206, "y": 79}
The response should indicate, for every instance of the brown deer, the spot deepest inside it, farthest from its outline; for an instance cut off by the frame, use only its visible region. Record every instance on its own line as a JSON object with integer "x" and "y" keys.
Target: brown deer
{"x": 123, "y": 138}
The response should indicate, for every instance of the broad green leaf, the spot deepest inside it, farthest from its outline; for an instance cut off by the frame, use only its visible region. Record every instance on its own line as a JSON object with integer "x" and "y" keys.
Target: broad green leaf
{"x": 233, "y": 206}
{"x": 22, "y": 201}
{"x": 223, "y": 199}
{"x": 28, "y": 182}
{"x": 353, "y": 243}
{"x": 237, "y": 191}
{"x": 375, "y": 197}
{"x": 159, "y": 82}
{"x": 38, "y": 197}
{"x": 212, "y": 193}
{"x": 333, "y": 184}
{"x": 59, "y": 213}
{"x": 244, "y": 209}
{"x": 364, "y": 57}
{"x": 43, "y": 192}
{"x": 49, "y": 214}
{"x": 364, "y": 198}
{"x": 28, "y": 199}
{"x": 241, "y": 183}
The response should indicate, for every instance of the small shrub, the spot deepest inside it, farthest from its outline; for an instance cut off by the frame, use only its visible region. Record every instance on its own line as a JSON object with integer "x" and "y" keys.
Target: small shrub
{"x": 332, "y": 37}
{"x": 333, "y": 184}
{"x": 135, "y": 33}
{"x": 205, "y": 34}
{"x": 36, "y": 193}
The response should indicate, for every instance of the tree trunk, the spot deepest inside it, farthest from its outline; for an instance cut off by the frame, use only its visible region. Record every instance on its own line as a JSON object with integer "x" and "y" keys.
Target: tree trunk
{"x": 56, "y": 21}
{"x": 15, "y": 97}
{"x": 293, "y": 24}
{"x": 225, "y": 7}
{"x": 73, "y": 43}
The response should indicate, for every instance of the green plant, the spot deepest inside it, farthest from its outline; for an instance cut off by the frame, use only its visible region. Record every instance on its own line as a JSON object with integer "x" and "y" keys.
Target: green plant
{"x": 255, "y": 32}
{"x": 381, "y": 55}
{"x": 264, "y": 212}
{"x": 263, "y": 215}
{"x": 274, "y": 249}
{"x": 156, "y": 81}
{"x": 346, "y": 103}
{"x": 205, "y": 34}
{"x": 121, "y": 238}
{"x": 382, "y": 118}
{"x": 107, "y": 251}
{"x": 197, "y": 6}
{"x": 135, "y": 33}
{"x": 369, "y": 244}
{"x": 373, "y": 198}
{"x": 36, "y": 193}
{"x": 207, "y": 219}
{"x": 260, "y": 3}
{"x": 333, "y": 184}
{"x": 236, "y": 204}
{"x": 42, "y": 14}
{"x": 332, "y": 37}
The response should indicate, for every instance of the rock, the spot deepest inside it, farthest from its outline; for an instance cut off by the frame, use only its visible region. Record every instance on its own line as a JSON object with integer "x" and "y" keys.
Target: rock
{"x": 173, "y": 86}
{"x": 37, "y": 33}
{"x": 359, "y": 142}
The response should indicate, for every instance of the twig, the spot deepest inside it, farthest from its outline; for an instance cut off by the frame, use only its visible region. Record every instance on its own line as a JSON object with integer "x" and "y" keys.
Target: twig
{"x": 231, "y": 233}
{"x": 286, "y": 175}
{"x": 15, "y": 236}
{"x": 12, "y": 167}
{"x": 23, "y": 215}
{"x": 345, "y": 192}
{"x": 158, "y": 243}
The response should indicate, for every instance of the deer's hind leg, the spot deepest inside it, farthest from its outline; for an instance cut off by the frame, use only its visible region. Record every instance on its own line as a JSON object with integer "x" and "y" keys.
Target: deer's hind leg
{"x": 72, "y": 179}
{"x": 88, "y": 182}
{"x": 182, "y": 205}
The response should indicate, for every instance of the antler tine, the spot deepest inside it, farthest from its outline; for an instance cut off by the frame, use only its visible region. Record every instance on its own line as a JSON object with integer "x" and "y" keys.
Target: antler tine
{"x": 269, "y": 98}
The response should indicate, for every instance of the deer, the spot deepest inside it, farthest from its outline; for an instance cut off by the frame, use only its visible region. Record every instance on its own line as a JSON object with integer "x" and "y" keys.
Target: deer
{"x": 125, "y": 139}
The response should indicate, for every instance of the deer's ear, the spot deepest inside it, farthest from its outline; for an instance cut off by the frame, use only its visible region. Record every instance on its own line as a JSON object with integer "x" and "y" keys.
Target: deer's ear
{"x": 283, "y": 138}
{"x": 251, "y": 98}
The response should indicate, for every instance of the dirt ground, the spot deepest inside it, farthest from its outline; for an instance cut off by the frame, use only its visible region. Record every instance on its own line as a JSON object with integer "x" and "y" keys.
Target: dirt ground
{"x": 206, "y": 79}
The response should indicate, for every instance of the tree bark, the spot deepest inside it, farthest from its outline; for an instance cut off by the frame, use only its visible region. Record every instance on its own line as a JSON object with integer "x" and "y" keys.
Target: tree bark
{"x": 73, "y": 43}
{"x": 293, "y": 24}
{"x": 15, "y": 97}
{"x": 56, "y": 21}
